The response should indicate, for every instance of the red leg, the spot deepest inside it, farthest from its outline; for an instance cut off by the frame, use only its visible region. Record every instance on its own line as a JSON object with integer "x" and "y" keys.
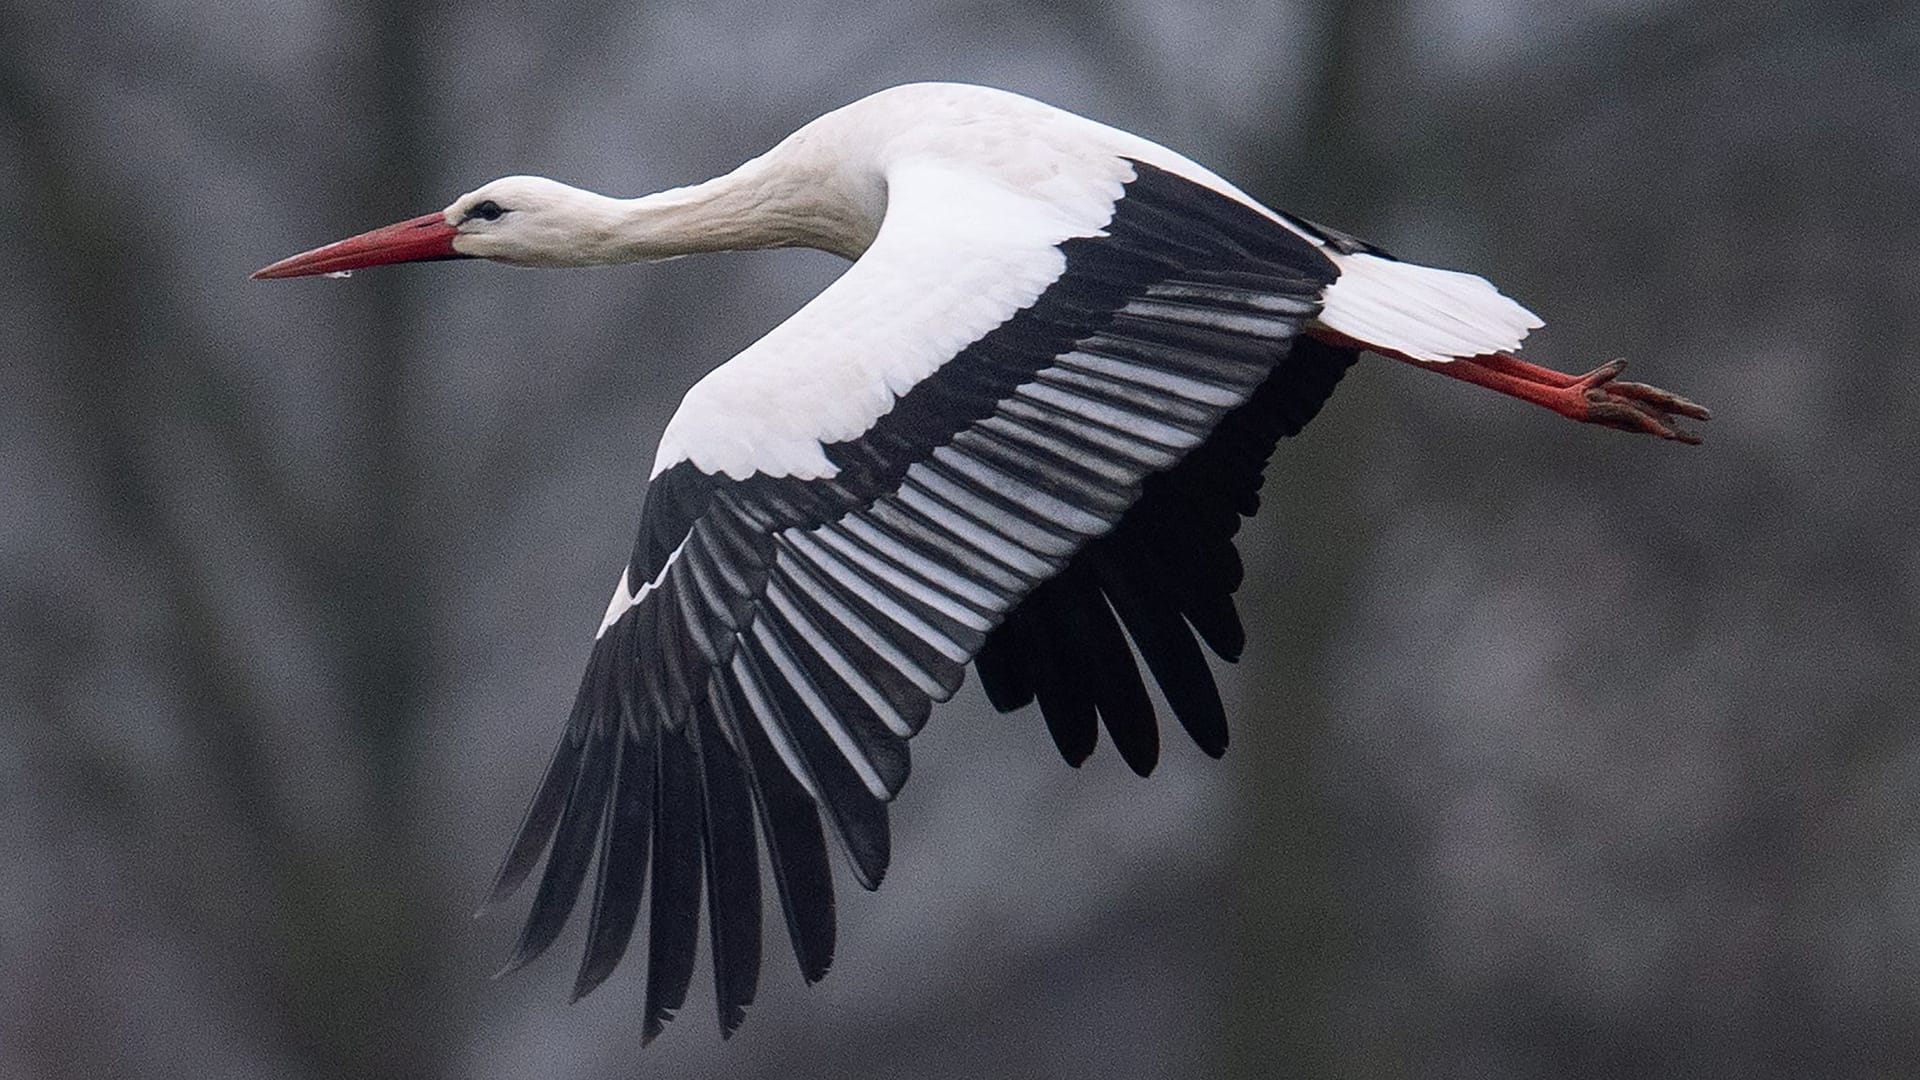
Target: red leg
{"x": 1598, "y": 397}
{"x": 1662, "y": 403}
{"x": 1507, "y": 364}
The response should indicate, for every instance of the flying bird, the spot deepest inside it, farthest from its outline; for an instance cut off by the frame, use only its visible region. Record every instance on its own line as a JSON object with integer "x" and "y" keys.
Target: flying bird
{"x": 1020, "y": 432}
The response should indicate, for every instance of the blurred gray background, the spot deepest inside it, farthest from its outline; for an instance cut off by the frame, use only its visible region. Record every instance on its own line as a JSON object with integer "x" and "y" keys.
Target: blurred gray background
{"x": 1557, "y": 752}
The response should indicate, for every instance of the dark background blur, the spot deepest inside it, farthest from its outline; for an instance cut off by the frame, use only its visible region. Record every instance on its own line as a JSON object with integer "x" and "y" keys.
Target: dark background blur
{"x": 1557, "y": 752}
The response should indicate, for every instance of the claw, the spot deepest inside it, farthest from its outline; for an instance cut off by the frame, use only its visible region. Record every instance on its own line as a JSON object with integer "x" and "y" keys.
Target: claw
{"x": 1601, "y": 375}
{"x": 1662, "y": 399}
{"x": 1629, "y": 415}
{"x": 1631, "y": 406}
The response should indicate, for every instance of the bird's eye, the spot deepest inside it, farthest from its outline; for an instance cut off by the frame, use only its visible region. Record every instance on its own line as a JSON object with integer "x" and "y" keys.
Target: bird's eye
{"x": 486, "y": 210}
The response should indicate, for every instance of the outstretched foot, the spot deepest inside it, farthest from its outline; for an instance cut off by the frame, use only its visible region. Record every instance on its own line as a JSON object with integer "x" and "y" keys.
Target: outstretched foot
{"x": 1632, "y": 406}
{"x": 1598, "y": 397}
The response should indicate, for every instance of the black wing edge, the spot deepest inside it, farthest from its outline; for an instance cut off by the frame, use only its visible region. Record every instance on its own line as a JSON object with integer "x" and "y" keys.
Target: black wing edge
{"x": 1168, "y": 571}
{"x": 675, "y": 809}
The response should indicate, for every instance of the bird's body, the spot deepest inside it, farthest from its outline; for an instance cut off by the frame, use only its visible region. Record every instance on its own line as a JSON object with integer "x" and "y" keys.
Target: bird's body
{"x": 1018, "y": 433}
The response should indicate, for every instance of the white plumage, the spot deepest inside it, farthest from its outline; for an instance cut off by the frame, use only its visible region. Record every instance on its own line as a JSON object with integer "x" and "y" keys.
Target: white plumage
{"x": 956, "y": 255}
{"x": 1019, "y": 434}
{"x": 980, "y": 186}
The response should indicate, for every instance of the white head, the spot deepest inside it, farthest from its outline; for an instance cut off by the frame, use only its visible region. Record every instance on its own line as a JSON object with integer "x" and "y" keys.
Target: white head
{"x": 534, "y": 221}
{"x": 521, "y": 220}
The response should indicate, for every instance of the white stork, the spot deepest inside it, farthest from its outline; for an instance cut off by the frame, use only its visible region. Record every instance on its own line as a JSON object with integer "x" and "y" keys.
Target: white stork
{"x": 1020, "y": 432}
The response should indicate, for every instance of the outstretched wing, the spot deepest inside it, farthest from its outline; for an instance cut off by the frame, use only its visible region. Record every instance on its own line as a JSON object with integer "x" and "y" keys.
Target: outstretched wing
{"x": 845, "y": 513}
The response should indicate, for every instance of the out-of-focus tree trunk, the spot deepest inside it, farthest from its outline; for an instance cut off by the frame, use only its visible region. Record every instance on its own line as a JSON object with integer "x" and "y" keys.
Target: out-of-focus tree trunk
{"x": 348, "y": 982}
{"x": 376, "y": 1000}
{"x": 128, "y": 349}
{"x": 1290, "y": 935}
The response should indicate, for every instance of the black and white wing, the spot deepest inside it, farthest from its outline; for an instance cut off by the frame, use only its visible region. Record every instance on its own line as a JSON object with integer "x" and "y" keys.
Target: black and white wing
{"x": 1011, "y": 432}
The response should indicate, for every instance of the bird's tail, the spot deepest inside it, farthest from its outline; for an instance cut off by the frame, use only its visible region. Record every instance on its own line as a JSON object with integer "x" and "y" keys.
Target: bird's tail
{"x": 1421, "y": 312}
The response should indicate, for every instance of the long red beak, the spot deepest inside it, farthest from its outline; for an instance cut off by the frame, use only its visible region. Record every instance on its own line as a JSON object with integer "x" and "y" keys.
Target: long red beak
{"x": 425, "y": 237}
